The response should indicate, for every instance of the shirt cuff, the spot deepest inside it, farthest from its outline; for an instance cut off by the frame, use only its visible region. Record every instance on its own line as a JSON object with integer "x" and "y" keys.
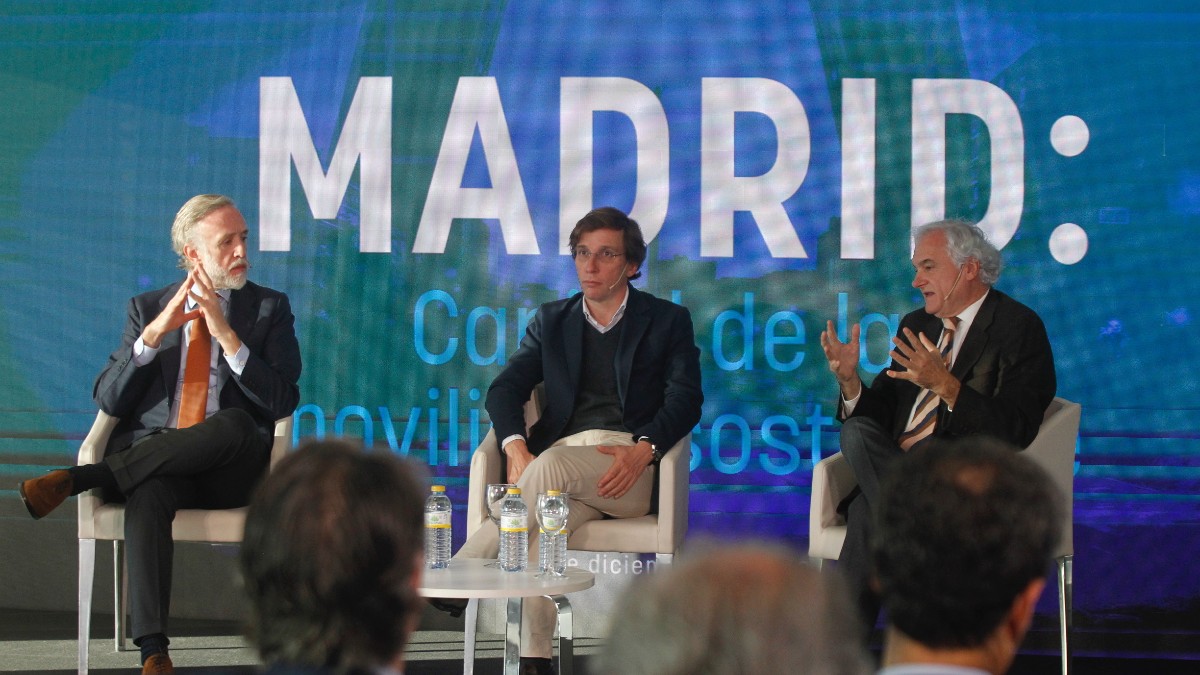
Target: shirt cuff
{"x": 848, "y": 406}
{"x": 237, "y": 362}
{"x": 143, "y": 354}
{"x": 510, "y": 439}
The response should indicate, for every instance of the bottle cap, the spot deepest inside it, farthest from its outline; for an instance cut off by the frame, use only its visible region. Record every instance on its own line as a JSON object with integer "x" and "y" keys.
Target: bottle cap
{"x": 552, "y": 493}
{"x": 437, "y": 488}
{"x": 514, "y": 490}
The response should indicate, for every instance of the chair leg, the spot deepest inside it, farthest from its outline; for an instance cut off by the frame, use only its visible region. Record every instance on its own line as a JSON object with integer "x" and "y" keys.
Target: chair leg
{"x": 87, "y": 574}
{"x": 120, "y": 598}
{"x": 1065, "y": 609}
{"x": 470, "y": 628}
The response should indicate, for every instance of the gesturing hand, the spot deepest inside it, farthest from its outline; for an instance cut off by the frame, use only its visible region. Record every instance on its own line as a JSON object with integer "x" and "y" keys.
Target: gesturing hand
{"x": 924, "y": 364}
{"x": 209, "y": 304}
{"x": 172, "y": 316}
{"x": 843, "y": 359}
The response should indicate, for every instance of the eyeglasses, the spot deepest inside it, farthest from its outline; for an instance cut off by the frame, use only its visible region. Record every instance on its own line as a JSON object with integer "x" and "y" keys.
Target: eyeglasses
{"x": 605, "y": 255}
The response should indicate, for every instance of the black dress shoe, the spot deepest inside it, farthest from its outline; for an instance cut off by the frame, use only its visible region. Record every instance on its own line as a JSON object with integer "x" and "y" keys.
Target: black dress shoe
{"x": 452, "y": 606}
{"x": 532, "y": 665}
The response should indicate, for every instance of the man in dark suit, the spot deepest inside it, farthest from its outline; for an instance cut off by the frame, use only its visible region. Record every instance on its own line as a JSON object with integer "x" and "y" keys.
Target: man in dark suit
{"x": 622, "y": 380}
{"x": 973, "y": 361}
{"x": 205, "y": 367}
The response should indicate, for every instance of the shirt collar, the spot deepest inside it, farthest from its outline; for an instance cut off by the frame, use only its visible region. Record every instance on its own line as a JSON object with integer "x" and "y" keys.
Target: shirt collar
{"x": 967, "y": 316}
{"x": 224, "y": 294}
{"x": 587, "y": 313}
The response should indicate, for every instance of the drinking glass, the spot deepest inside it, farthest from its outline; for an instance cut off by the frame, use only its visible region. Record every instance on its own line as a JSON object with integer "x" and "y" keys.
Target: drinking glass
{"x": 496, "y": 492}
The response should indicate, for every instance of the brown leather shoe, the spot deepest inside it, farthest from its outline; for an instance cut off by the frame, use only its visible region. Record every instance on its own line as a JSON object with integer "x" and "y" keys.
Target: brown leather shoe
{"x": 158, "y": 664}
{"x": 43, "y": 495}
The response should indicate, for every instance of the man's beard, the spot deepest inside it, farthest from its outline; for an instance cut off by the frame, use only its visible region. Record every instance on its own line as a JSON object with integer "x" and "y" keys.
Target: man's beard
{"x": 221, "y": 278}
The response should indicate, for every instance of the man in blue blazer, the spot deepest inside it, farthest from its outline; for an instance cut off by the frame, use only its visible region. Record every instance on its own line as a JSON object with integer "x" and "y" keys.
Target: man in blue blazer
{"x": 972, "y": 361}
{"x": 622, "y": 381}
{"x": 193, "y": 432}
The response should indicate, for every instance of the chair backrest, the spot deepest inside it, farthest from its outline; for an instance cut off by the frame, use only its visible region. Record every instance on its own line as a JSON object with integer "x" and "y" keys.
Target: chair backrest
{"x": 1054, "y": 451}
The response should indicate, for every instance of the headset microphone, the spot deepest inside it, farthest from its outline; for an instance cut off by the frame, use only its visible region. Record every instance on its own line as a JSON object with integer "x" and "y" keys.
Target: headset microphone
{"x": 614, "y": 285}
{"x": 955, "y": 284}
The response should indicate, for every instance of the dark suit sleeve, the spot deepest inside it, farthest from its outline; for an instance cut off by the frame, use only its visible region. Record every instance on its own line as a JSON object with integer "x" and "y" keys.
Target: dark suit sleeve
{"x": 273, "y": 367}
{"x": 121, "y": 384}
{"x": 1021, "y": 379}
{"x": 682, "y": 392}
{"x": 510, "y": 390}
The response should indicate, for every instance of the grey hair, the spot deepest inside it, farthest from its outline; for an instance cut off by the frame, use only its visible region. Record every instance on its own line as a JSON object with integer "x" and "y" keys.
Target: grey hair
{"x": 735, "y": 609}
{"x": 965, "y": 240}
{"x": 193, "y": 211}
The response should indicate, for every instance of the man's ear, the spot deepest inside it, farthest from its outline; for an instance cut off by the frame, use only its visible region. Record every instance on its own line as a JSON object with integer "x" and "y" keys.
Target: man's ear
{"x": 971, "y": 268}
{"x": 1021, "y": 614}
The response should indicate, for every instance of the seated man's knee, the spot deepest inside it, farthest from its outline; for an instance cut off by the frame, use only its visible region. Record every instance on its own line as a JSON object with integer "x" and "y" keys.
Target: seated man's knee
{"x": 855, "y": 430}
{"x": 239, "y": 420}
{"x": 153, "y": 494}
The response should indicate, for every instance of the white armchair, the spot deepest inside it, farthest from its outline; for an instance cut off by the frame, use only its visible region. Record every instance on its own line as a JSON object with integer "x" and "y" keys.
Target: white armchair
{"x": 104, "y": 521}
{"x": 659, "y": 533}
{"x": 1053, "y": 449}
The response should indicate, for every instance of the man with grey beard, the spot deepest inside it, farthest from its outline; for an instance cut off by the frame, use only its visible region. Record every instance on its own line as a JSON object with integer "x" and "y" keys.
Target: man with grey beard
{"x": 205, "y": 367}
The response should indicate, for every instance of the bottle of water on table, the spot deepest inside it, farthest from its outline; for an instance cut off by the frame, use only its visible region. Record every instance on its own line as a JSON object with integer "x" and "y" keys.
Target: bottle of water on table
{"x": 552, "y": 537}
{"x": 514, "y": 532}
{"x": 437, "y": 528}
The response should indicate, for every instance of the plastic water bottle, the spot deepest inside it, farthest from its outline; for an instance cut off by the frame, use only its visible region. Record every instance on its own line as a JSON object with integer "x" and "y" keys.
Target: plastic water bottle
{"x": 552, "y": 552}
{"x": 514, "y": 532}
{"x": 437, "y": 528}
{"x": 552, "y": 537}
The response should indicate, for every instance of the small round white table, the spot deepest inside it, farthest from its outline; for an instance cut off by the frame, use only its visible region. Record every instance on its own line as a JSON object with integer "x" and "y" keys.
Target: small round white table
{"x": 471, "y": 578}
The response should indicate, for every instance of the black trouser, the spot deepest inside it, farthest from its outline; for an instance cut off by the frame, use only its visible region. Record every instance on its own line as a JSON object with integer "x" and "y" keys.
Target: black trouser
{"x": 870, "y": 450}
{"x": 211, "y": 465}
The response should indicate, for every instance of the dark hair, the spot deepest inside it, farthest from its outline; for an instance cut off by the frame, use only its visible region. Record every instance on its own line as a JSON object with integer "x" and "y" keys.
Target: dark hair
{"x": 609, "y": 218}
{"x": 333, "y": 538}
{"x": 962, "y": 529}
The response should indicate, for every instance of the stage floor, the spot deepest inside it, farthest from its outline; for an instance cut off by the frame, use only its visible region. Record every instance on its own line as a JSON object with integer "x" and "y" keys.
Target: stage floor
{"x": 44, "y": 642}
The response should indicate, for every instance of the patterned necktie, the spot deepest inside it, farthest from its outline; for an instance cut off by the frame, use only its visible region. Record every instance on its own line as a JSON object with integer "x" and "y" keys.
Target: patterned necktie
{"x": 924, "y": 418}
{"x": 193, "y": 401}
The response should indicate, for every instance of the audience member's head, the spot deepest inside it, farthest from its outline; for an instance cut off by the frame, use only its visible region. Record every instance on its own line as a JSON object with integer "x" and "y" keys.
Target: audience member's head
{"x": 332, "y": 557}
{"x": 740, "y": 609}
{"x": 964, "y": 539}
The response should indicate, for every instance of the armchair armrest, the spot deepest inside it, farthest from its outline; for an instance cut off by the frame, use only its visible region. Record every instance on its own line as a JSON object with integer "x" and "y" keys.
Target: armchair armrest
{"x": 485, "y": 468}
{"x": 90, "y": 452}
{"x": 675, "y": 471}
{"x": 833, "y": 480}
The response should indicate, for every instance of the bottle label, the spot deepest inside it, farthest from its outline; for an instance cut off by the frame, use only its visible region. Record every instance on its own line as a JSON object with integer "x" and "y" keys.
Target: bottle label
{"x": 513, "y": 524}
{"x": 552, "y": 524}
{"x": 437, "y": 519}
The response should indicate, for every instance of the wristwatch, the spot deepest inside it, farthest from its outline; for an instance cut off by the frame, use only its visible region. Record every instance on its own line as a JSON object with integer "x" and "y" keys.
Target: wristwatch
{"x": 657, "y": 454}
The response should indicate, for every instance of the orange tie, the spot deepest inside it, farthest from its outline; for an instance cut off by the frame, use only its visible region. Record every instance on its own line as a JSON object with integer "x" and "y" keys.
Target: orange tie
{"x": 194, "y": 399}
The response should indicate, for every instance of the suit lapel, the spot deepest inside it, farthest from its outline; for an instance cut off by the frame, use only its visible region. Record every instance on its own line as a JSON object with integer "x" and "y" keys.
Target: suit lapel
{"x": 636, "y": 321}
{"x": 977, "y": 337}
{"x": 243, "y": 310}
{"x": 169, "y": 350}
{"x": 572, "y": 348}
